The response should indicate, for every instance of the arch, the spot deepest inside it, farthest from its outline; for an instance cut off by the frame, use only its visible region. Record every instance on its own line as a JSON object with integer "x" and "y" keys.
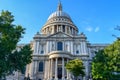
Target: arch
{"x": 60, "y": 46}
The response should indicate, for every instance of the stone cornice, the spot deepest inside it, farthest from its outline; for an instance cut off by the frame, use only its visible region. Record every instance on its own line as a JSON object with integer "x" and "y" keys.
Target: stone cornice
{"x": 59, "y": 54}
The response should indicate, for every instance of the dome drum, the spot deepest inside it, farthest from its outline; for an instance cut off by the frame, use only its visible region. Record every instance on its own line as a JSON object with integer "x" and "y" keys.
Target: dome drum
{"x": 51, "y": 29}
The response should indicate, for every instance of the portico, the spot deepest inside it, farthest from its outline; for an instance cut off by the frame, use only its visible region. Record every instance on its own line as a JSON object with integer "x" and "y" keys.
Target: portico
{"x": 56, "y": 69}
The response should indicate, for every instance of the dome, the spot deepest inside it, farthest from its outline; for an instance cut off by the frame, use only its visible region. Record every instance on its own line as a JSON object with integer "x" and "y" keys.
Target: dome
{"x": 59, "y": 21}
{"x": 59, "y": 14}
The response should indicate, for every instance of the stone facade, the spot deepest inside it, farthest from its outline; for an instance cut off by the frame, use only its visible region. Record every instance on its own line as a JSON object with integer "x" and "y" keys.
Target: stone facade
{"x": 56, "y": 44}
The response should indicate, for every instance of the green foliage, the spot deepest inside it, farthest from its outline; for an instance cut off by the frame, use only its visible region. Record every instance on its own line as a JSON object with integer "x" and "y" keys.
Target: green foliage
{"x": 75, "y": 67}
{"x": 106, "y": 63}
{"x": 10, "y": 34}
{"x": 19, "y": 59}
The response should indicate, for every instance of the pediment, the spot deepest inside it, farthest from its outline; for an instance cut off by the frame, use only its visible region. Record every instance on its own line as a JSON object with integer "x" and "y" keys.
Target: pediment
{"x": 60, "y": 34}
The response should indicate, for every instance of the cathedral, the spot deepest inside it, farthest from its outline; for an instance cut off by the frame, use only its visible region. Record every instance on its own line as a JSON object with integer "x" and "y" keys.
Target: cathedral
{"x": 57, "y": 43}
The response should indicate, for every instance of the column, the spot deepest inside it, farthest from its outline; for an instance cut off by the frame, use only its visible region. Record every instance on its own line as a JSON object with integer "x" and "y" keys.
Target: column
{"x": 27, "y": 70}
{"x": 38, "y": 44}
{"x": 53, "y": 29}
{"x": 46, "y": 49}
{"x": 45, "y": 70}
{"x": 86, "y": 69}
{"x": 71, "y": 47}
{"x": 31, "y": 70}
{"x": 34, "y": 76}
{"x": 68, "y": 46}
{"x": 69, "y": 30}
{"x": 82, "y": 49}
{"x": 47, "y": 30}
{"x": 48, "y": 44}
{"x": 35, "y": 67}
{"x": 65, "y": 29}
{"x": 61, "y": 28}
{"x": 72, "y": 31}
{"x": 56, "y": 69}
{"x": 67, "y": 72}
{"x": 57, "y": 28}
{"x": 51, "y": 68}
{"x": 63, "y": 69}
{"x": 36, "y": 47}
{"x": 85, "y": 48}
{"x": 48, "y": 69}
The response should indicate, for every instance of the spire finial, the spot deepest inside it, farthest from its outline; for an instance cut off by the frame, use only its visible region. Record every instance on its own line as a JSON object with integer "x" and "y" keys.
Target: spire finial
{"x": 59, "y": 6}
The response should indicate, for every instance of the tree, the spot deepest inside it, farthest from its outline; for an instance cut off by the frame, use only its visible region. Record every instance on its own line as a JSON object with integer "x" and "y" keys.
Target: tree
{"x": 10, "y": 58}
{"x": 75, "y": 67}
{"x": 99, "y": 70}
{"x": 113, "y": 59}
{"x": 106, "y": 63}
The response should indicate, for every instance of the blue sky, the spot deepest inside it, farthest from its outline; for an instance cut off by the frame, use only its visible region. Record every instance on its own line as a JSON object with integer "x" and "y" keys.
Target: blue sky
{"x": 96, "y": 18}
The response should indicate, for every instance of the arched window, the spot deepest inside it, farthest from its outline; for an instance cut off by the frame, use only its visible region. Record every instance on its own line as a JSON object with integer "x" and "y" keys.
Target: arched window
{"x": 41, "y": 67}
{"x": 59, "y": 46}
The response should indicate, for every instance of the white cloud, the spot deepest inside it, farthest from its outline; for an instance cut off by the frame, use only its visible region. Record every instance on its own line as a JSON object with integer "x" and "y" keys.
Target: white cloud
{"x": 97, "y": 29}
{"x": 89, "y": 29}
